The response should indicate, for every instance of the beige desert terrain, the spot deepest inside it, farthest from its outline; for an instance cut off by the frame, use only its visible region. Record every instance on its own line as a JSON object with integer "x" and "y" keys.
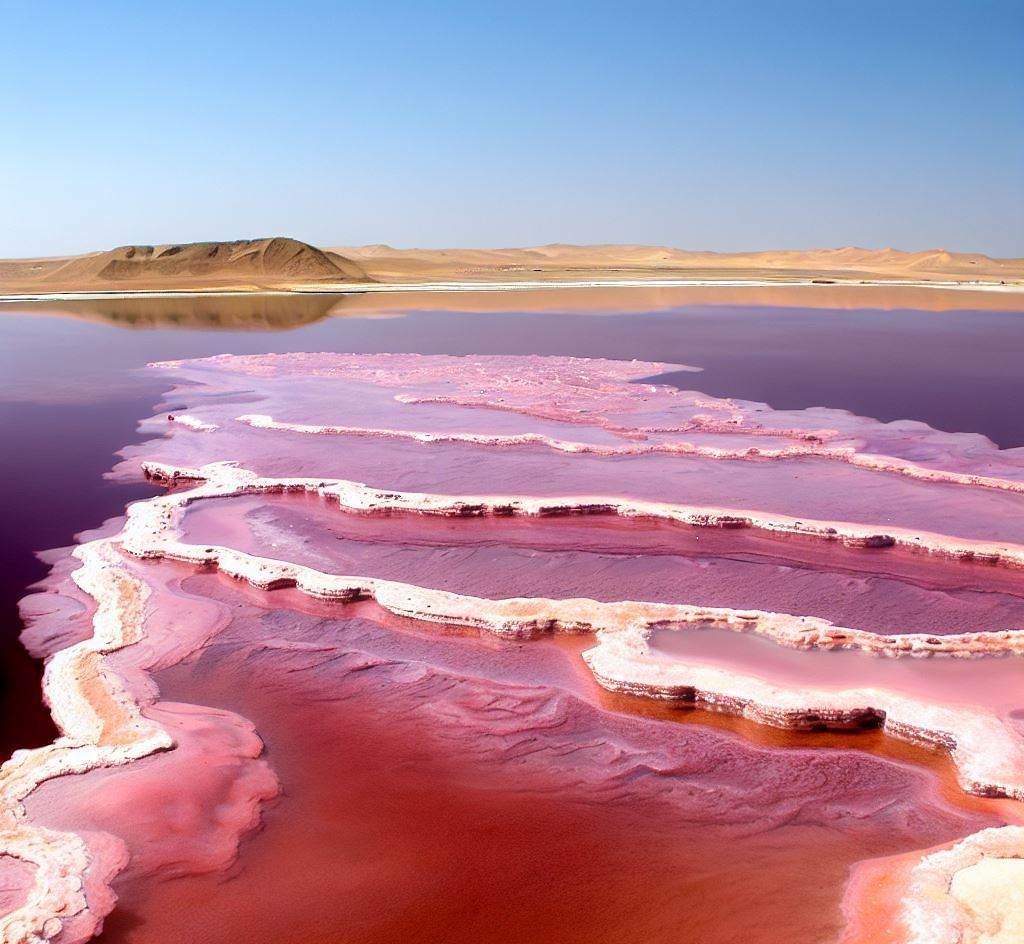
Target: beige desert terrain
{"x": 283, "y": 264}
{"x": 585, "y": 263}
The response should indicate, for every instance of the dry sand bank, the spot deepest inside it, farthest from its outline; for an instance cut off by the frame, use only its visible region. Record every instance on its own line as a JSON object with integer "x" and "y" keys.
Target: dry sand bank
{"x": 287, "y": 265}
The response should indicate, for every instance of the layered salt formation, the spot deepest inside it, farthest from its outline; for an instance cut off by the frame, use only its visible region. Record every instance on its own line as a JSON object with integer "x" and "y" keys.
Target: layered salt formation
{"x": 803, "y": 570}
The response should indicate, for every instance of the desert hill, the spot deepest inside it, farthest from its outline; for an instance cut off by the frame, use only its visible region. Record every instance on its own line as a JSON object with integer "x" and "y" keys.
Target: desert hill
{"x": 245, "y": 263}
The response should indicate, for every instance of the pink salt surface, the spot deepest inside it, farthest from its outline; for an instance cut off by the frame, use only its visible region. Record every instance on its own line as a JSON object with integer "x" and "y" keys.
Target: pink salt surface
{"x": 994, "y": 683}
{"x": 363, "y": 403}
{"x": 581, "y": 396}
{"x": 609, "y": 558}
{"x": 426, "y": 783}
{"x": 16, "y": 878}
{"x": 448, "y": 787}
{"x": 807, "y": 488}
{"x": 584, "y": 392}
{"x": 587, "y": 394}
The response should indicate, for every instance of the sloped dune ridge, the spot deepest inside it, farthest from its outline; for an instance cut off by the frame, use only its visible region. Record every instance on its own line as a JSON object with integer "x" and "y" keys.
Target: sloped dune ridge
{"x": 452, "y": 627}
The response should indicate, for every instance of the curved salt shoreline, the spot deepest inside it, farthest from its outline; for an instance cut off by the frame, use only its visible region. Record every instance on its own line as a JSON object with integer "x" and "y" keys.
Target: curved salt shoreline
{"x": 812, "y": 450}
{"x": 101, "y": 725}
{"x": 86, "y": 697}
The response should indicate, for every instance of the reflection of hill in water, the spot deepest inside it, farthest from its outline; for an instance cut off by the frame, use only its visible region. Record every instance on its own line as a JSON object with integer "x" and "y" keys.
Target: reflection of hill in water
{"x": 222, "y": 312}
{"x": 264, "y": 312}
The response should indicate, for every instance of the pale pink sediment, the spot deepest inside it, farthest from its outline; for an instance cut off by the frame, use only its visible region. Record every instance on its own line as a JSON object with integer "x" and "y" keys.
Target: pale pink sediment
{"x": 936, "y": 911}
{"x": 847, "y": 454}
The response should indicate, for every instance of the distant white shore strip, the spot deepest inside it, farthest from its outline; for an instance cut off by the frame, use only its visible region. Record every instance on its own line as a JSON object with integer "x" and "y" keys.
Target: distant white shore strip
{"x": 361, "y": 288}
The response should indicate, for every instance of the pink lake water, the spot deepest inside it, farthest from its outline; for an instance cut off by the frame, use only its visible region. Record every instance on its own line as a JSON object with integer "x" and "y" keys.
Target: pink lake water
{"x": 425, "y": 784}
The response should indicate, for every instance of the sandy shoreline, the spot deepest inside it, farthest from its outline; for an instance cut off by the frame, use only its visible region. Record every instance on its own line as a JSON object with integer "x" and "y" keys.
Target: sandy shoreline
{"x": 360, "y": 288}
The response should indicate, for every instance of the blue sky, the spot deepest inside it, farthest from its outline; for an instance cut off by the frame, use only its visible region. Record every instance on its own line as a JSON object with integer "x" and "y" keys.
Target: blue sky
{"x": 722, "y": 125}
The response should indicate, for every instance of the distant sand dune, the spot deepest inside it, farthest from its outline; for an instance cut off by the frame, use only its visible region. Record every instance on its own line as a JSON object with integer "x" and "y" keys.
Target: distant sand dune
{"x": 387, "y": 264}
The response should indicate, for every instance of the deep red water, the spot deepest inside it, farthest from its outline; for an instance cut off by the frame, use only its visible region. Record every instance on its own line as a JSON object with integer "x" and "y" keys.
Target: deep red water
{"x": 467, "y": 798}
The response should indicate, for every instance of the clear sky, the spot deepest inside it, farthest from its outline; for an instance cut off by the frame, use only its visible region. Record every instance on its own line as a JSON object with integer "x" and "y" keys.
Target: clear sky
{"x": 703, "y": 125}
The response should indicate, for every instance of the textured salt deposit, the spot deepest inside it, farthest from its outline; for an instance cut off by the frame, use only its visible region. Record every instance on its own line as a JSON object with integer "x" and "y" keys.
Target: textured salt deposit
{"x": 930, "y": 496}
